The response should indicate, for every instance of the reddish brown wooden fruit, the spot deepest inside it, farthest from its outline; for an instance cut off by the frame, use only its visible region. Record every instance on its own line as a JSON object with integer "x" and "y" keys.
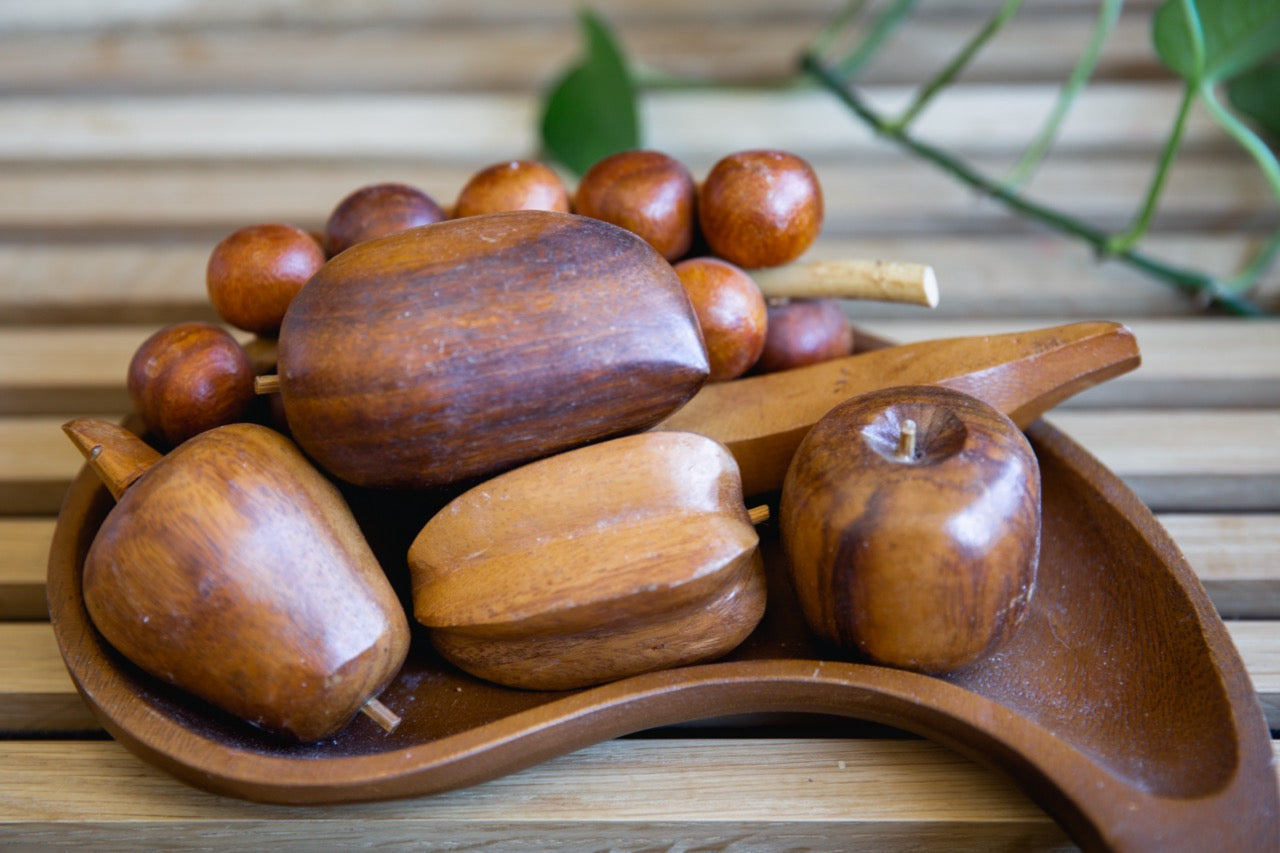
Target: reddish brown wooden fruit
{"x": 254, "y": 273}
{"x": 731, "y": 313}
{"x": 760, "y": 208}
{"x": 804, "y": 331}
{"x": 188, "y": 378}
{"x": 911, "y": 522}
{"x": 469, "y": 347}
{"x": 234, "y": 570}
{"x": 646, "y": 192}
{"x": 375, "y": 211}
{"x": 623, "y": 557}
{"x": 512, "y": 185}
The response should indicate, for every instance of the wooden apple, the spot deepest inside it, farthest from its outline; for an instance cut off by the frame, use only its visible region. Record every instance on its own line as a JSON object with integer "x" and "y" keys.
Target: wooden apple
{"x": 910, "y": 518}
{"x": 232, "y": 569}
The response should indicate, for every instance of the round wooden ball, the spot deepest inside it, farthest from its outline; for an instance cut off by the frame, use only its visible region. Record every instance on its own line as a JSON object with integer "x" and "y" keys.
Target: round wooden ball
{"x": 188, "y": 378}
{"x": 804, "y": 331}
{"x": 760, "y": 208}
{"x": 731, "y": 313}
{"x": 646, "y": 192}
{"x": 512, "y": 185}
{"x": 375, "y": 211}
{"x": 254, "y": 273}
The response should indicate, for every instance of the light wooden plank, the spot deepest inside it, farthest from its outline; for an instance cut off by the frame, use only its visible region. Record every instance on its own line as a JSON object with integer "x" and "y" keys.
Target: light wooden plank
{"x": 429, "y": 53}
{"x": 62, "y": 15}
{"x": 628, "y": 795}
{"x": 35, "y": 465}
{"x": 1237, "y": 558}
{"x": 1243, "y": 370}
{"x": 1223, "y": 460}
{"x": 67, "y": 369}
{"x": 494, "y": 126}
{"x": 24, "y": 553}
{"x": 1175, "y": 460}
{"x": 882, "y": 196}
{"x": 132, "y": 280}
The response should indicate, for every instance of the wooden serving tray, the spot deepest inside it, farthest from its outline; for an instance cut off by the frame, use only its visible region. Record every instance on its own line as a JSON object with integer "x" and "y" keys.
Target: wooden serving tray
{"x": 1121, "y": 707}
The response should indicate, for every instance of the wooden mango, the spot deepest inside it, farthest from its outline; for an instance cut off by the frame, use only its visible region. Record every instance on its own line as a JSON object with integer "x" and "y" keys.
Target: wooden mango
{"x": 626, "y": 556}
{"x": 232, "y": 569}
{"x": 459, "y": 349}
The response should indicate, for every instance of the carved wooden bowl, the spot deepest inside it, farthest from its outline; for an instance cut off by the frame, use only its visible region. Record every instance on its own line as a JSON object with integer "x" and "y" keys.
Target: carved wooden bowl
{"x": 1121, "y": 706}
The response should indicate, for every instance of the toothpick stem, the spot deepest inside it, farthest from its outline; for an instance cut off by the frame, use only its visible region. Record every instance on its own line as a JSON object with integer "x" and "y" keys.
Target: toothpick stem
{"x": 386, "y": 718}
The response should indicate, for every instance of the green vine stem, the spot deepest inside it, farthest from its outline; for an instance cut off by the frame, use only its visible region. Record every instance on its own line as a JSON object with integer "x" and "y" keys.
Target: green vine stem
{"x": 1108, "y": 15}
{"x": 957, "y": 64}
{"x": 1194, "y": 281}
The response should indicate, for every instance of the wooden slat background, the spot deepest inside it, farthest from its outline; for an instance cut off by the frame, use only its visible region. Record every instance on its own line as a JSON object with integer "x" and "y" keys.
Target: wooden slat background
{"x": 134, "y": 134}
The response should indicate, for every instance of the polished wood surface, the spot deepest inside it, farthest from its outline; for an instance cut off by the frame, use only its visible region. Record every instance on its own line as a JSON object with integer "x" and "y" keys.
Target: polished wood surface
{"x": 134, "y": 137}
{"x": 449, "y": 353}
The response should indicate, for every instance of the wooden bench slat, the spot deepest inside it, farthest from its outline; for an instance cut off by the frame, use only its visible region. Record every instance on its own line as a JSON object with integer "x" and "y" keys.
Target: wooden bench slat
{"x": 1175, "y": 460}
{"x": 66, "y": 369}
{"x": 131, "y": 280}
{"x": 38, "y": 695}
{"x": 459, "y": 55}
{"x": 635, "y": 794}
{"x": 482, "y": 127}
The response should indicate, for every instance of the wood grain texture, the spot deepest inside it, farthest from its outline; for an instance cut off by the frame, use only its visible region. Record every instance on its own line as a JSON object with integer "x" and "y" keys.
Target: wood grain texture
{"x": 622, "y": 557}
{"x": 108, "y": 210}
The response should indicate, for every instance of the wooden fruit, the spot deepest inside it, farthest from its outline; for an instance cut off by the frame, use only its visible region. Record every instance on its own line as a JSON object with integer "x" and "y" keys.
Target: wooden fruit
{"x": 647, "y": 192}
{"x": 760, "y": 208}
{"x": 804, "y": 331}
{"x": 623, "y": 557}
{"x": 471, "y": 346}
{"x": 731, "y": 313}
{"x": 187, "y": 378}
{"x": 911, "y": 522}
{"x": 375, "y": 211}
{"x": 234, "y": 570}
{"x": 512, "y": 185}
{"x": 762, "y": 419}
{"x": 254, "y": 273}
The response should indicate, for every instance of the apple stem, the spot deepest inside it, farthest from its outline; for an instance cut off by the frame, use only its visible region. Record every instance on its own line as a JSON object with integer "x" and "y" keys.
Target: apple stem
{"x": 386, "y": 718}
{"x": 907, "y": 440}
{"x": 267, "y": 384}
{"x": 758, "y": 514}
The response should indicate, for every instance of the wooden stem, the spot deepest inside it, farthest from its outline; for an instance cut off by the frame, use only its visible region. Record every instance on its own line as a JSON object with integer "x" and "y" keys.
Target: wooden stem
{"x": 386, "y": 718}
{"x": 884, "y": 281}
{"x": 116, "y": 455}
{"x": 269, "y": 384}
{"x": 758, "y": 514}
{"x": 907, "y": 440}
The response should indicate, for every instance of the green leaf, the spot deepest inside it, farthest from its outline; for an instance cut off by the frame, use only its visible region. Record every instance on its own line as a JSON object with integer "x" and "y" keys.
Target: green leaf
{"x": 590, "y": 112}
{"x": 1257, "y": 95}
{"x": 1238, "y": 35}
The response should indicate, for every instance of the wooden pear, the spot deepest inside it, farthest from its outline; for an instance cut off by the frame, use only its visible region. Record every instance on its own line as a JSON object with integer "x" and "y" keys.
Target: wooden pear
{"x": 234, "y": 570}
{"x": 459, "y": 349}
{"x": 618, "y": 558}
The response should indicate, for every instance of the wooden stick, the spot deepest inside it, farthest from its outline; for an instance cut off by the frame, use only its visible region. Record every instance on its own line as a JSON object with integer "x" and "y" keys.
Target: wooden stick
{"x": 885, "y": 281}
{"x": 758, "y": 514}
{"x": 907, "y": 440}
{"x": 386, "y": 718}
{"x": 268, "y": 384}
{"x": 114, "y": 453}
